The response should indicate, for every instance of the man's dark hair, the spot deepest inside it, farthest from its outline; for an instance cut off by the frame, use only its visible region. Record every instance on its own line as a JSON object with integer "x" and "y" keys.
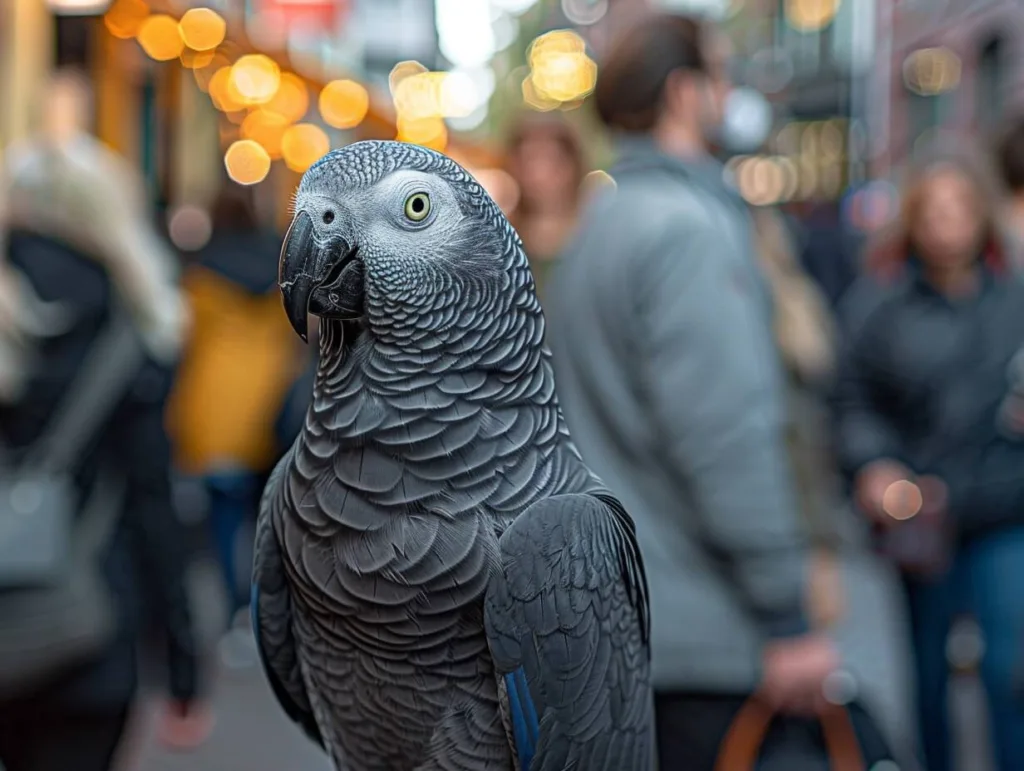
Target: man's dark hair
{"x": 631, "y": 83}
{"x": 1009, "y": 155}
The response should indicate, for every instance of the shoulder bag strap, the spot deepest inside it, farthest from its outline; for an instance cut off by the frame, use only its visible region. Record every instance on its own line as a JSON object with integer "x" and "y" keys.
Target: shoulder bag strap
{"x": 114, "y": 359}
{"x": 742, "y": 744}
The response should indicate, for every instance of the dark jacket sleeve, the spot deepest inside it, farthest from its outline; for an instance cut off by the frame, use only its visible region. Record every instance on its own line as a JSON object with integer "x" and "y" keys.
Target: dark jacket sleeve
{"x": 863, "y": 434}
{"x": 712, "y": 379}
{"x": 158, "y": 535}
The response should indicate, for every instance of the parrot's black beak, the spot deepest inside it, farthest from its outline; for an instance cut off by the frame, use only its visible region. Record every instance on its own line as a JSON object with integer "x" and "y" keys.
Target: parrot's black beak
{"x": 295, "y": 273}
{"x": 323, "y": 279}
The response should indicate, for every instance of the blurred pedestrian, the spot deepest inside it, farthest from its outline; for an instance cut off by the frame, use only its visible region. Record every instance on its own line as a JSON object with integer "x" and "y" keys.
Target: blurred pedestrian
{"x": 804, "y": 333}
{"x": 89, "y": 273}
{"x": 237, "y": 367}
{"x": 546, "y": 159}
{"x": 669, "y": 378}
{"x": 852, "y": 592}
{"x": 829, "y": 250}
{"x": 1009, "y": 160}
{"x": 921, "y": 434}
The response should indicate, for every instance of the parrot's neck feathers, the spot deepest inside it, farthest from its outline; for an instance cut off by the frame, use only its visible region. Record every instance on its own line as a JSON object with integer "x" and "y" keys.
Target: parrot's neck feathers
{"x": 489, "y": 324}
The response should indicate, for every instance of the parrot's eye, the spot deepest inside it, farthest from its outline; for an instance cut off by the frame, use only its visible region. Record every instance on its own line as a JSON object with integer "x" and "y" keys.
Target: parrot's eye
{"x": 328, "y": 217}
{"x": 417, "y": 207}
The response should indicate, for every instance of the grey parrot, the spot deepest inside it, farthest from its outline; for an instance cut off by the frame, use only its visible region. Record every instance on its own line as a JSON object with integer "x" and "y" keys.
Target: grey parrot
{"x": 440, "y": 582}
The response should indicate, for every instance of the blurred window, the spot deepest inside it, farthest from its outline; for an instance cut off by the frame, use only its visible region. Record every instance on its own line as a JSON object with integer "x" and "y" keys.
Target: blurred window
{"x": 990, "y": 85}
{"x": 927, "y": 113}
{"x": 72, "y": 38}
{"x": 811, "y": 49}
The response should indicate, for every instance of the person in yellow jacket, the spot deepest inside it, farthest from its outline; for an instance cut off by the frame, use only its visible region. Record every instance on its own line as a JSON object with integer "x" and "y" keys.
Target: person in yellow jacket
{"x": 238, "y": 366}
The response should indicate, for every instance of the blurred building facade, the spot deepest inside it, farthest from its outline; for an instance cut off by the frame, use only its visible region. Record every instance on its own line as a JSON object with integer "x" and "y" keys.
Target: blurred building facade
{"x": 26, "y": 48}
{"x": 154, "y": 96}
{"x": 955, "y": 69}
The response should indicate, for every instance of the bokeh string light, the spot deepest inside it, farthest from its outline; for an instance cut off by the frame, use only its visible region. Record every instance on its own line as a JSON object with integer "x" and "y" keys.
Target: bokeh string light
{"x": 425, "y": 99}
{"x": 932, "y": 71}
{"x": 124, "y": 18}
{"x": 202, "y": 29}
{"x": 902, "y": 500}
{"x": 249, "y": 89}
{"x": 291, "y": 101}
{"x": 264, "y": 105}
{"x": 247, "y": 162}
{"x": 809, "y": 163}
{"x": 561, "y": 74}
{"x": 193, "y": 60}
{"x": 267, "y": 128}
{"x": 302, "y": 145}
{"x": 343, "y": 104}
{"x": 221, "y": 93}
{"x": 254, "y": 79}
{"x": 811, "y": 15}
{"x": 160, "y": 38}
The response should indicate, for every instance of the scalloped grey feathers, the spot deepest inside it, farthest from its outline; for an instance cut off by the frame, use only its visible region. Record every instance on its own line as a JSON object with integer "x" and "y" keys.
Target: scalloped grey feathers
{"x": 433, "y": 528}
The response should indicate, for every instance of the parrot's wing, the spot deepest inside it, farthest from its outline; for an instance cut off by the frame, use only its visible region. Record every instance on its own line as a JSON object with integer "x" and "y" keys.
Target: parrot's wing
{"x": 272, "y": 613}
{"x": 568, "y": 625}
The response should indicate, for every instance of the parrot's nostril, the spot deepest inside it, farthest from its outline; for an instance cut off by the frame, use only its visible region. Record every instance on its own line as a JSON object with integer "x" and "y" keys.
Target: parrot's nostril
{"x": 328, "y": 217}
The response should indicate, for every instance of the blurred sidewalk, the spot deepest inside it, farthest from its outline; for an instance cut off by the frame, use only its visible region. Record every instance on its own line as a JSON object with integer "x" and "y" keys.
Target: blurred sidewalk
{"x": 251, "y": 732}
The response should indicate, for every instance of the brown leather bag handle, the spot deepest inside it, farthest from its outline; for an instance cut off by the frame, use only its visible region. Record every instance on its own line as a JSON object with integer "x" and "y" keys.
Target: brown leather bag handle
{"x": 746, "y": 735}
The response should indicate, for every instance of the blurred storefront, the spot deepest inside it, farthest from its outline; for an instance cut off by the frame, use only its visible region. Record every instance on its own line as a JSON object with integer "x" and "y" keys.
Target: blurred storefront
{"x": 26, "y": 50}
{"x": 809, "y": 58}
{"x": 955, "y": 69}
{"x": 261, "y": 87}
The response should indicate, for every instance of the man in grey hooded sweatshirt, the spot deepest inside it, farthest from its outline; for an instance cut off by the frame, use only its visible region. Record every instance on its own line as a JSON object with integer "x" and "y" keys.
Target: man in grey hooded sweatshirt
{"x": 659, "y": 322}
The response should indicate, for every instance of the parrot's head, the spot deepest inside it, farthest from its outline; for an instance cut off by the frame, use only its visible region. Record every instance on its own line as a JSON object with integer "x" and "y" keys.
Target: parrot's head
{"x": 400, "y": 237}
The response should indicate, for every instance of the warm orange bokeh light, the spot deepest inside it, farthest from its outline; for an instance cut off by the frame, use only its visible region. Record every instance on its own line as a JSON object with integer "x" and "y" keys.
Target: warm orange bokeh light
{"x": 536, "y": 99}
{"x": 403, "y": 70}
{"x": 160, "y": 38}
{"x": 811, "y": 15}
{"x": 202, "y": 29}
{"x": 124, "y": 18}
{"x": 204, "y": 74}
{"x": 196, "y": 60}
{"x": 902, "y": 500}
{"x": 429, "y": 132}
{"x": 344, "y": 104}
{"x": 247, "y": 162}
{"x": 419, "y": 96}
{"x": 291, "y": 100}
{"x": 303, "y": 145}
{"x": 266, "y": 128}
{"x": 221, "y": 93}
{"x": 255, "y": 79}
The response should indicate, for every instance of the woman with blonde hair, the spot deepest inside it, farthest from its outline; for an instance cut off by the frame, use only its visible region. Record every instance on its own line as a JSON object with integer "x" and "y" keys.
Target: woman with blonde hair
{"x": 91, "y": 322}
{"x": 933, "y": 465}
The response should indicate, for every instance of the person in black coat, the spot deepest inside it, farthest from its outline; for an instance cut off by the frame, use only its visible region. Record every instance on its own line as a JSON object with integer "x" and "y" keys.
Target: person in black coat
{"x": 934, "y": 457}
{"x": 76, "y": 246}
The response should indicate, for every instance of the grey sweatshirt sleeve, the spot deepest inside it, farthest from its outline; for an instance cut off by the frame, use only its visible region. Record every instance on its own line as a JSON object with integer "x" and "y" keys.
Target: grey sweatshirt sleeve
{"x": 711, "y": 378}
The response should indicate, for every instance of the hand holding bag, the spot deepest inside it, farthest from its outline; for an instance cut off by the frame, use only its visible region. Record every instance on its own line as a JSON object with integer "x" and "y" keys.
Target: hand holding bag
{"x": 742, "y": 744}
{"x": 55, "y": 608}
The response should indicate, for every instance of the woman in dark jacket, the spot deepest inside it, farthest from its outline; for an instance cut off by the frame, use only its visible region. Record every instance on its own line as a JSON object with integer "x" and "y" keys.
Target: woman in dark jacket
{"x": 77, "y": 246}
{"x": 922, "y": 438}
